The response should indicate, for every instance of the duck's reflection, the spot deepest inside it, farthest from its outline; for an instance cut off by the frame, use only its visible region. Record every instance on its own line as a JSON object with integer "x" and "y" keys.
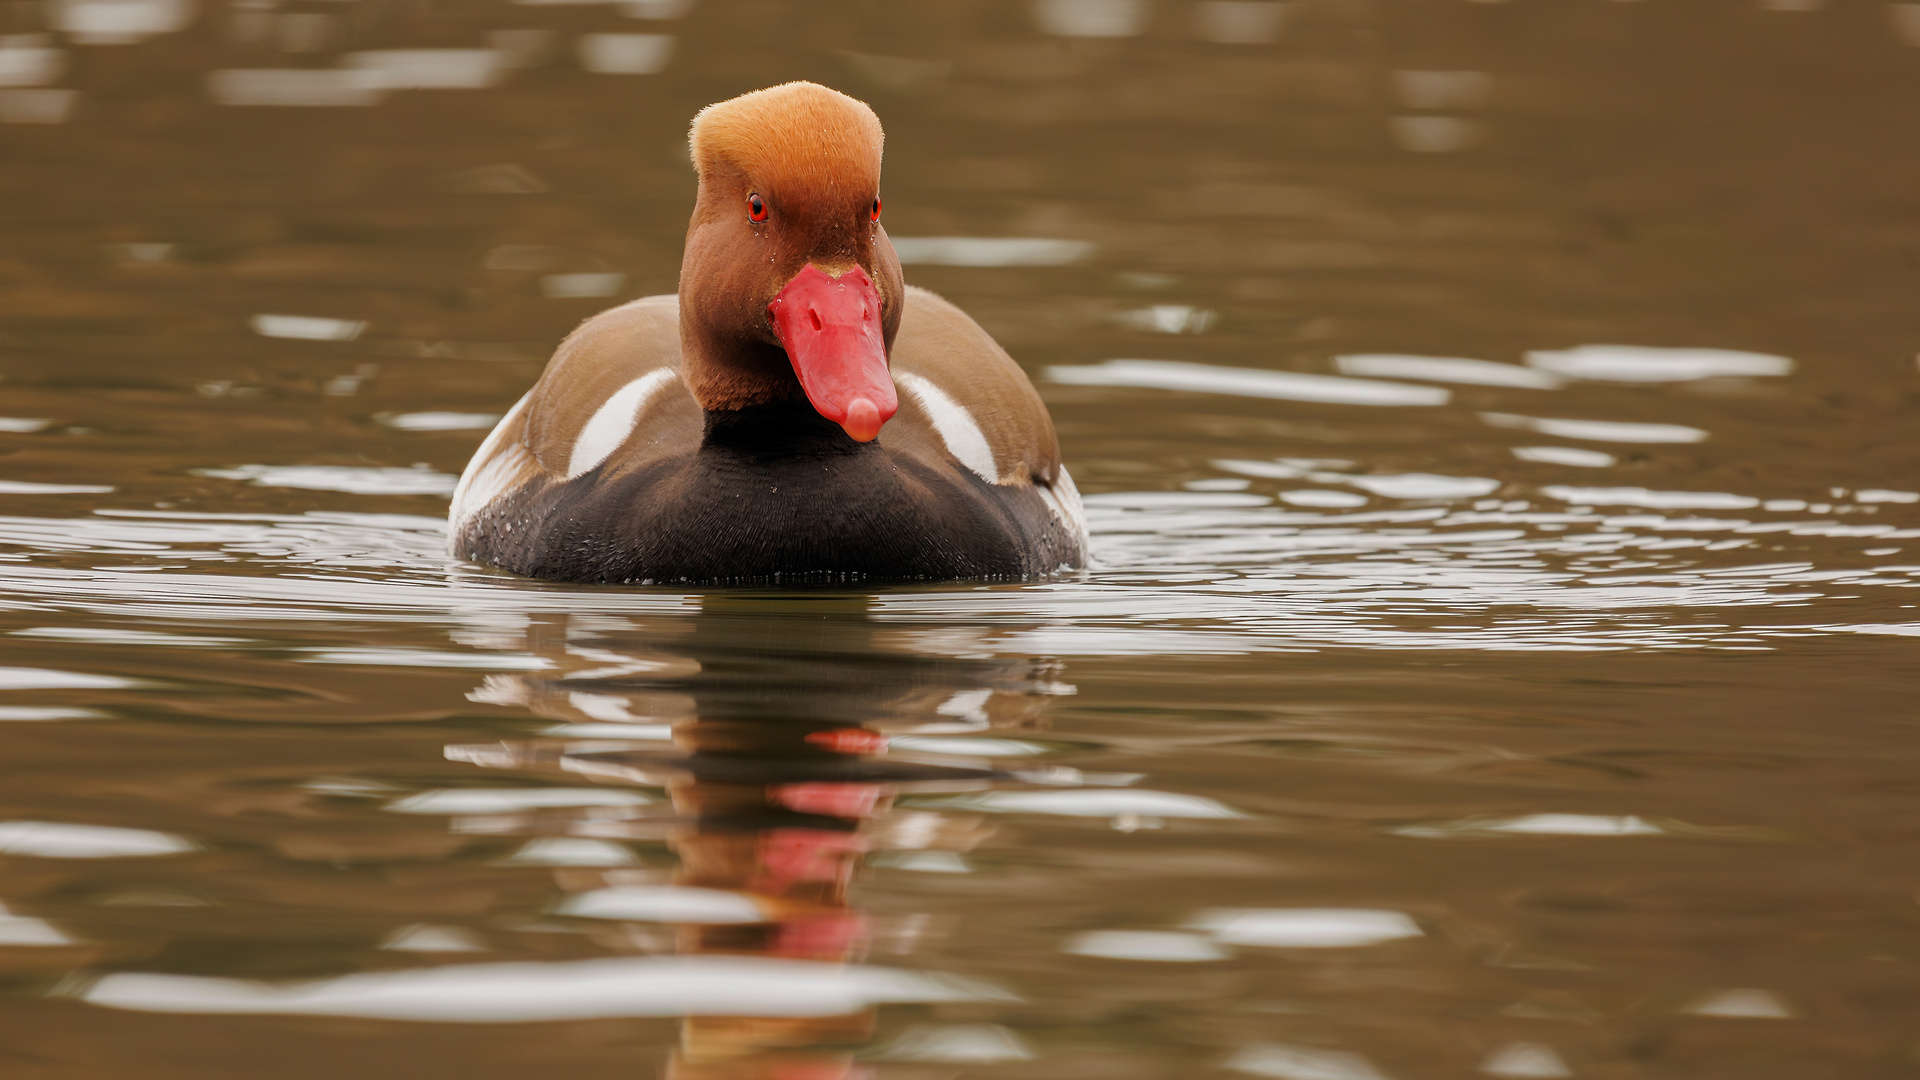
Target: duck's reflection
{"x": 799, "y": 869}
{"x": 778, "y": 716}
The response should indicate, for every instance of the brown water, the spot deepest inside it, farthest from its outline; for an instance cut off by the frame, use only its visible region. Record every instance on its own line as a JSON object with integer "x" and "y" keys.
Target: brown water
{"x": 1411, "y": 731}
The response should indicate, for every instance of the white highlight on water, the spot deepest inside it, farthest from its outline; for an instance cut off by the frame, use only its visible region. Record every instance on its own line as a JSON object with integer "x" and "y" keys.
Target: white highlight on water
{"x": 1448, "y": 369}
{"x": 1640, "y": 364}
{"x": 575, "y": 990}
{"x": 1247, "y": 382}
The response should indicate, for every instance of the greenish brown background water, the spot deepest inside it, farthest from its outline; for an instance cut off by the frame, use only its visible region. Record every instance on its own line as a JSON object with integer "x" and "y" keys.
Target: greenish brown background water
{"x": 1419, "y": 729}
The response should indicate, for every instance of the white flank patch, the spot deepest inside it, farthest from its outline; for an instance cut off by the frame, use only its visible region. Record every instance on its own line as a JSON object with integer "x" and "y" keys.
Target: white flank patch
{"x": 956, "y": 425}
{"x": 614, "y": 421}
{"x": 488, "y": 482}
{"x": 490, "y": 470}
{"x": 1063, "y": 499}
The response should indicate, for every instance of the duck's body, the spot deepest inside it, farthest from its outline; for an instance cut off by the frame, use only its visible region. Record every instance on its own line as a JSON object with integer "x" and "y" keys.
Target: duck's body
{"x": 728, "y": 434}
{"x": 608, "y": 470}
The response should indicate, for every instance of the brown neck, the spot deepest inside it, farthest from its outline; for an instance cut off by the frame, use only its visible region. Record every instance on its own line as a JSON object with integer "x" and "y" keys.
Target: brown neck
{"x": 726, "y": 371}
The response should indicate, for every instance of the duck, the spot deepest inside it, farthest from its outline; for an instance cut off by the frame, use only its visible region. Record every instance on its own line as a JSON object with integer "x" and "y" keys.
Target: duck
{"x": 795, "y": 414}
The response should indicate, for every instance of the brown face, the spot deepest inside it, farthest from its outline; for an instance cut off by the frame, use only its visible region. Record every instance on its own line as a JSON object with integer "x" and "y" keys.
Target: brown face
{"x": 790, "y": 287}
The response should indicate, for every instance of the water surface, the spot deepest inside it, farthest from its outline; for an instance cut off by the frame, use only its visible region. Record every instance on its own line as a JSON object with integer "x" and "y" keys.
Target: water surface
{"x": 1498, "y": 656}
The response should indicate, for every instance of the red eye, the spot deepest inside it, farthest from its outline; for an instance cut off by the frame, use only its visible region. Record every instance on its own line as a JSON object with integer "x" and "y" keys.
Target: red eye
{"x": 875, "y": 214}
{"x": 756, "y": 208}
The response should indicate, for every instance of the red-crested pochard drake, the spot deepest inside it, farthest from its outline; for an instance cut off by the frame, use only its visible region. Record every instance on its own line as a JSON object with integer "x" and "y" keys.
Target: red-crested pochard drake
{"x": 796, "y": 414}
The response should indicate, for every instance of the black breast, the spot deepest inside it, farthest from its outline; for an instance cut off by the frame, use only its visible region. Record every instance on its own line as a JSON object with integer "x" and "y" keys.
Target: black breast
{"x": 773, "y": 494}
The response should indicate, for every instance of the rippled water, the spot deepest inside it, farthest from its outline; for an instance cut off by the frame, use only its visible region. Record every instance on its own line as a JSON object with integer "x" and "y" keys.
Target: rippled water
{"x": 1498, "y": 659}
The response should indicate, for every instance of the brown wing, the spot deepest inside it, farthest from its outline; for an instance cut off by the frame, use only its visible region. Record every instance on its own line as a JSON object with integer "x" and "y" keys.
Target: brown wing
{"x": 567, "y": 412}
{"x": 942, "y": 345}
{"x": 611, "y": 393}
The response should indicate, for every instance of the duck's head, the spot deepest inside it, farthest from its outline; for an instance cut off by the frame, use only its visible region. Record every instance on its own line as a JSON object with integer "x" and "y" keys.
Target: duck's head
{"x": 789, "y": 287}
